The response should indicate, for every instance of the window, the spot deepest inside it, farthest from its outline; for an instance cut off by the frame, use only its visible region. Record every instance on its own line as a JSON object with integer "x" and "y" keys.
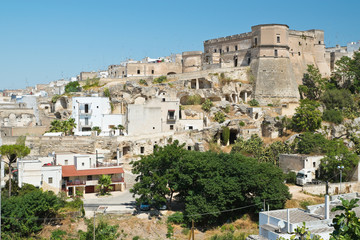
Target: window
{"x": 191, "y": 127}
{"x": 189, "y": 148}
{"x": 66, "y": 162}
{"x": 215, "y": 50}
{"x": 171, "y": 114}
{"x": 220, "y": 50}
{"x": 142, "y": 149}
{"x": 171, "y": 127}
{"x": 82, "y": 164}
{"x": 314, "y": 164}
{"x": 319, "y": 42}
{"x": 299, "y": 53}
{"x": 255, "y": 42}
{"x": 138, "y": 71}
{"x": 276, "y": 53}
{"x": 236, "y": 47}
{"x": 152, "y": 71}
{"x": 86, "y": 121}
{"x": 249, "y": 60}
{"x": 163, "y": 99}
{"x": 227, "y": 49}
{"x": 278, "y": 39}
{"x": 50, "y": 180}
{"x": 153, "y": 127}
{"x": 89, "y": 177}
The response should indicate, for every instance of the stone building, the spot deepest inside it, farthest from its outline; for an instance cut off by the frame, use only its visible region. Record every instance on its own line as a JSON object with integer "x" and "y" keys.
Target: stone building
{"x": 277, "y": 56}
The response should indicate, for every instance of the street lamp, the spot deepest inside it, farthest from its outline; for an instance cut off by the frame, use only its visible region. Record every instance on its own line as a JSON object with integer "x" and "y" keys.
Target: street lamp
{"x": 340, "y": 168}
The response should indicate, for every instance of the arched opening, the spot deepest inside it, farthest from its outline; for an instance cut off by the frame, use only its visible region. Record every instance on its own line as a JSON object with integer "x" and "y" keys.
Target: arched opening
{"x": 233, "y": 136}
{"x": 58, "y": 115}
{"x": 227, "y": 98}
{"x": 203, "y": 83}
{"x": 256, "y": 116}
{"x": 235, "y": 61}
{"x": 235, "y": 97}
{"x": 244, "y": 95}
{"x": 171, "y": 73}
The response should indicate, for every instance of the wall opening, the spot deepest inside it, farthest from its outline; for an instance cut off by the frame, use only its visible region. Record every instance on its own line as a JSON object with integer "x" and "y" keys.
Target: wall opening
{"x": 126, "y": 150}
{"x": 233, "y": 136}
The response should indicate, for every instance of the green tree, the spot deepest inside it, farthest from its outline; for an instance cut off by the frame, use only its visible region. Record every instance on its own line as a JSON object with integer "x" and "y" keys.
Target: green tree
{"x": 106, "y": 92}
{"x": 66, "y": 126}
{"x": 97, "y": 129}
{"x": 338, "y": 155}
{"x": 104, "y": 184}
{"x": 346, "y": 224}
{"x": 337, "y": 99}
{"x": 206, "y": 106}
{"x": 103, "y": 231}
{"x": 311, "y": 143}
{"x": 12, "y": 152}
{"x": 26, "y": 214}
{"x": 121, "y": 128}
{"x": 225, "y": 135}
{"x": 333, "y": 115}
{"x": 307, "y": 117}
{"x": 157, "y": 174}
{"x": 72, "y": 87}
{"x": 253, "y": 103}
{"x": 313, "y": 84}
{"x": 347, "y": 72}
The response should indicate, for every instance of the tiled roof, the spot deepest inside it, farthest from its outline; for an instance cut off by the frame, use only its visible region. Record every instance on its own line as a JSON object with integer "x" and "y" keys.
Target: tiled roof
{"x": 70, "y": 171}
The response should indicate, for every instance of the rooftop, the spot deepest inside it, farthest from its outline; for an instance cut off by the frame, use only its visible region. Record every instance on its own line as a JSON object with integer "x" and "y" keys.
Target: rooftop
{"x": 297, "y": 215}
{"x": 71, "y": 171}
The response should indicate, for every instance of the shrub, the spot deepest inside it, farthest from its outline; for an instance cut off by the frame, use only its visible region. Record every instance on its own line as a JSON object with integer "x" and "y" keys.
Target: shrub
{"x": 225, "y": 135}
{"x": 57, "y": 234}
{"x": 193, "y": 100}
{"x": 219, "y": 117}
{"x": 241, "y": 124}
{"x": 106, "y": 92}
{"x": 160, "y": 79}
{"x": 143, "y": 82}
{"x": 72, "y": 87}
{"x": 337, "y": 98}
{"x": 333, "y": 116}
{"x": 227, "y": 109}
{"x": 290, "y": 177}
{"x": 55, "y": 98}
{"x": 206, "y": 106}
{"x": 305, "y": 203}
{"x": 176, "y": 218}
{"x": 253, "y": 103}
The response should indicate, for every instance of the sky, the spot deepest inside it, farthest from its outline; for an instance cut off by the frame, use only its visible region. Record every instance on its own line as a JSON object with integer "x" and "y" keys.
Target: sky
{"x": 46, "y": 40}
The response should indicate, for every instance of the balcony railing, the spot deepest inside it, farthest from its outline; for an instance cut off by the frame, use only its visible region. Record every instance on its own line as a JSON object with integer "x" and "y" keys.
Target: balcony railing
{"x": 75, "y": 182}
{"x": 116, "y": 180}
{"x": 89, "y": 124}
{"x": 83, "y": 112}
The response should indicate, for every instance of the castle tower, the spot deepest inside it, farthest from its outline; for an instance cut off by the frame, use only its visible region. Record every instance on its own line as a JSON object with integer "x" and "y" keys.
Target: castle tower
{"x": 270, "y": 64}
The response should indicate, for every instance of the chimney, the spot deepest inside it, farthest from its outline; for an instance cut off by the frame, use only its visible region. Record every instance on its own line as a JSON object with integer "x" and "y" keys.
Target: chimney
{"x": 288, "y": 220}
{"x": 327, "y": 207}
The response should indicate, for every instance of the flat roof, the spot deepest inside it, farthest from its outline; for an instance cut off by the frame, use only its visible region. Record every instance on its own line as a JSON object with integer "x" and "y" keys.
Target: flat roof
{"x": 71, "y": 171}
{"x": 297, "y": 215}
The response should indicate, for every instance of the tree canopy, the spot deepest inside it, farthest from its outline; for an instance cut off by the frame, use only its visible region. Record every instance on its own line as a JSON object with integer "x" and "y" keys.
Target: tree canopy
{"x": 208, "y": 183}
{"x": 65, "y": 126}
{"x": 72, "y": 87}
{"x": 307, "y": 117}
{"x": 313, "y": 84}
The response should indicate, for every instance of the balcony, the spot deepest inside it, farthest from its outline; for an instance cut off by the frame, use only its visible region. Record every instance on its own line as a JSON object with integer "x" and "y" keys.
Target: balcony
{"x": 86, "y": 113}
{"x": 171, "y": 117}
{"x": 117, "y": 180}
{"x": 85, "y": 125}
{"x": 75, "y": 182}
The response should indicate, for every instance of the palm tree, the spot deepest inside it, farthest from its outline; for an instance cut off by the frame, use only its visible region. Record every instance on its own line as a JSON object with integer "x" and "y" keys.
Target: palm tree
{"x": 104, "y": 184}
{"x": 121, "y": 128}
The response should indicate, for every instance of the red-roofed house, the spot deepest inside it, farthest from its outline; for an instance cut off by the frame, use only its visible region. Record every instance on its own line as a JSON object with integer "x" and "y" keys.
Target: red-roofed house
{"x": 86, "y": 180}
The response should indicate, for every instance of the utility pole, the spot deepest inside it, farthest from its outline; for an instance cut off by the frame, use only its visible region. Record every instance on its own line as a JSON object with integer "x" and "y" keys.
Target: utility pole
{"x": 192, "y": 234}
{"x": 94, "y": 225}
{"x": 340, "y": 168}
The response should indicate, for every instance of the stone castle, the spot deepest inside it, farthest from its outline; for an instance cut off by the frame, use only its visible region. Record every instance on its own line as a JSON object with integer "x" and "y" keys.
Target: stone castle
{"x": 277, "y": 56}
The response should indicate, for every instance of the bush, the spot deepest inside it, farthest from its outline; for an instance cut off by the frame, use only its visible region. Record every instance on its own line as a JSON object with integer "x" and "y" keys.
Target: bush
{"x": 176, "y": 218}
{"x": 106, "y": 92}
{"x": 160, "y": 79}
{"x": 290, "y": 177}
{"x": 72, "y": 87}
{"x": 219, "y": 117}
{"x": 227, "y": 109}
{"x": 305, "y": 203}
{"x": 206, "y": 106}
{"x": 253, "y": 103}
{"x": 332, "y": 115}
{"x": 312, "y": 143}
{"x": 241, "y": 124}
{"x": 193, "y": 100}
{"x": 225, "y": 135}
{"x": 57, "y": 234}
{"x": 307, "y": 117}
{"x": 143, "y": 82}
{"x": 337, "y": 98}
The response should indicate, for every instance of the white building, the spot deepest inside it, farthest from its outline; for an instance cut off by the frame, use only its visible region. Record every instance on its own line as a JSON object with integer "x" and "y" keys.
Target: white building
{"x": 153, "y": 116}
{"x": 317, "y": 218}
{"x": 45, "y": 176}
{"x": 90, "y": 112}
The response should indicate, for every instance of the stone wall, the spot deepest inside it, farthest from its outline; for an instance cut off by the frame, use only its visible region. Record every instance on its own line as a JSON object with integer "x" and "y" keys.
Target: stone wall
{"x": 334, "y": 188}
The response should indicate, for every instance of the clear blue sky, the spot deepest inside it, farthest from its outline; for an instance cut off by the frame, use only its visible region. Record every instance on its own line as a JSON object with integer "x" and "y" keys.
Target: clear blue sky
{"x": 46, "y": 40}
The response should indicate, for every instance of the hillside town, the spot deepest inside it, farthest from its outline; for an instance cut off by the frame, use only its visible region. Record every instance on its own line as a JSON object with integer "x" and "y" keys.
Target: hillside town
{"x": 270, "y": 101}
